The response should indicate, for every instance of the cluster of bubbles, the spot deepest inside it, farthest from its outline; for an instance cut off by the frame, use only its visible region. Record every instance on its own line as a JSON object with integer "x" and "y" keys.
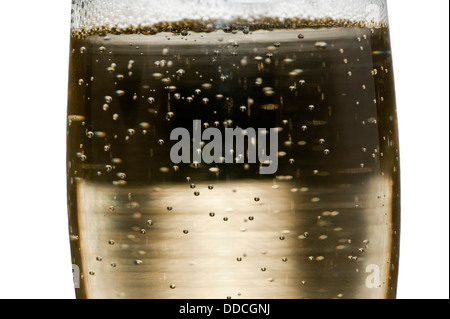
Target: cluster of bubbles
{"x": 197, "y": 95}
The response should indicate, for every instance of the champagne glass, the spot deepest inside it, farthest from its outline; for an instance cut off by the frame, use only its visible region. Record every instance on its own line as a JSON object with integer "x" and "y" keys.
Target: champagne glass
{"x": 232, "y": 149}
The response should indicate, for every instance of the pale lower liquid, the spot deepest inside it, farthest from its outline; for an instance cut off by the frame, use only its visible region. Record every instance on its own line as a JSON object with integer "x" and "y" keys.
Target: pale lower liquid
{"x": 316, "y": 229}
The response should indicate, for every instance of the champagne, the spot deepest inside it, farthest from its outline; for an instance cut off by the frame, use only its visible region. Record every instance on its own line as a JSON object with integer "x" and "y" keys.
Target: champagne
{"x": 325, "y": 224}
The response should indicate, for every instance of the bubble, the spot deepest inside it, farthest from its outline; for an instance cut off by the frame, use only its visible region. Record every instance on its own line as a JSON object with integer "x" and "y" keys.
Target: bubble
{"x": 122, "y": 175}
{"x": 80, "y": 82}
{"x": 212, "y": 214}
{"x": 157, "y": 76}
{"x": 205, "y": 100}
{"x": 257, "y": 199}
{"x": 161, "y": 142}
{"x": 184, "y": 33}
{"x": 304, "y": 128}
{"x": 301, "y": 36}
{"x": 169, "y": 208}
{"x": 284, "y": 259}
{"x": 311, "y": 107}
{"x": 206, "y": 86}
{"x": 185, "y": 231}
{"x": 197, "y": 193}
{"x": 177, "y": 96}
{"x": 277, "y": 44}
{"x": 91, "y": 273}
{"x": 143, "y": 231}
{"x": 225, "y": 219}
{"x": 138, "y": 262}
{"x": 195, "y": 164}
{"x": 320, "y": 258}
{"x": 111, "y": 242}
{"x": 108, "y": 168}
{"x": 164, "y": 170}
{"x": 321, "y": 45}
{"x": 172, "y": 286}
{"x": 115, "y": 117}
{"x": 166, "y": 81}
{"x": 83, "y": 157}
{"x": 243, "y": 108}
{"x": 111, "y": 208}
{"x": 131, "y": 131}
{"x": 82, "y": 50}
{"x": 189, "y": 99}
{"x": 258, "y": 81}
{"x": 239, "y": 259}
{"x": 210, "y": 187}
{"x": 192, "y": 186}
{"x": 251, "y": 218}
{"x": 90, "y": 134}
{"x": 181, "y": 72}
{"x": 326, "y": 151}
{"x": 170, "y": 115}
{"x": 282, "y": 238}
{"x": 114, "y": 265}
{"x": 150, "y": 222}
{"x": 99, "y": 258}
{"x": 288, "y": 61}
{"x": 120, "y": 93}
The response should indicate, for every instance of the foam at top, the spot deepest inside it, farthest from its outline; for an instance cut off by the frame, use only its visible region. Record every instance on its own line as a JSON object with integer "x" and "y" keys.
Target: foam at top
{"x": 88, "y": 15}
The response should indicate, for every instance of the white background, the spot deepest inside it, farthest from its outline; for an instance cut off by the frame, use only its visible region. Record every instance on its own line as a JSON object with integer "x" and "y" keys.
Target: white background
{"x": 34, "y": 50}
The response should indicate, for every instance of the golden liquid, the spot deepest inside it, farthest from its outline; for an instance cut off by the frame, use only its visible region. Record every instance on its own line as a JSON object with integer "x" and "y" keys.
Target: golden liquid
{"x": 312, "y": 230}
